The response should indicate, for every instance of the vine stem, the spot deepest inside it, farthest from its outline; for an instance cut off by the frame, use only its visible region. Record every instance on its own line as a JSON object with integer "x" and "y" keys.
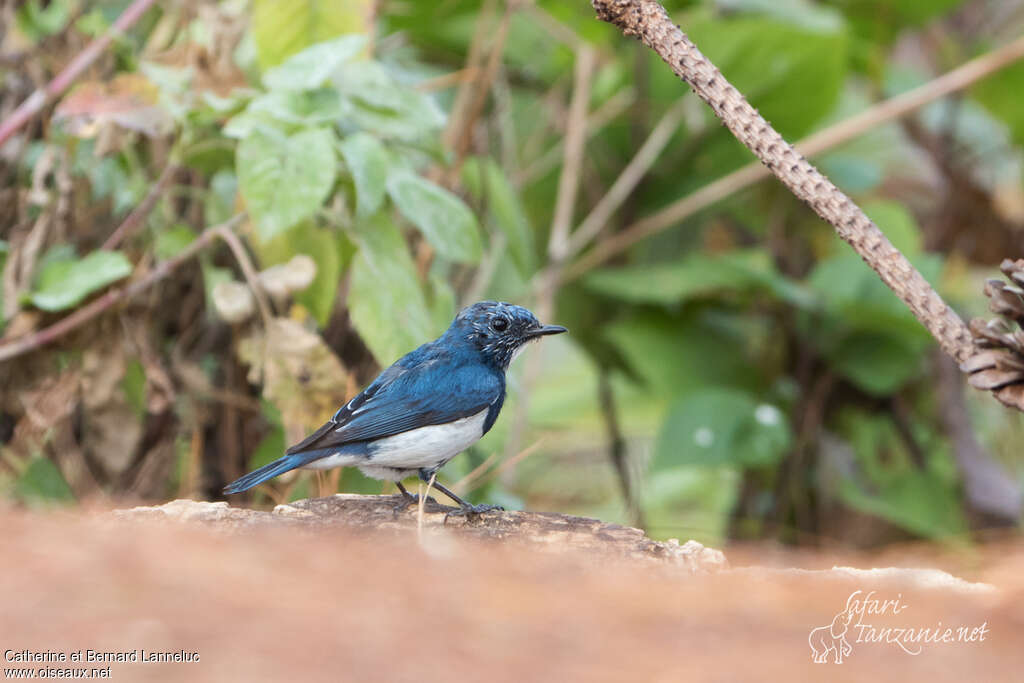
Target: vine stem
{"x": 648, "y": 21}
{"x": 70, "y": 73}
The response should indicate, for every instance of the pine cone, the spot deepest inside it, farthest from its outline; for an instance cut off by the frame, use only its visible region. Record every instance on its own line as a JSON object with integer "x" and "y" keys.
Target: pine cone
{"x": 999, "y": 366}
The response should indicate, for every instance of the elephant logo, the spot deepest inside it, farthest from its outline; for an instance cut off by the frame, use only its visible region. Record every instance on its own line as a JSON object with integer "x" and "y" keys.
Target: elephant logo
{"x": 832, "y": 638}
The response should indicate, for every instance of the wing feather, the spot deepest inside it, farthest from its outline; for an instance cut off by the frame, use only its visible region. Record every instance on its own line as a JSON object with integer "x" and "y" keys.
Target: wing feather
{"x": 430, "y": 389}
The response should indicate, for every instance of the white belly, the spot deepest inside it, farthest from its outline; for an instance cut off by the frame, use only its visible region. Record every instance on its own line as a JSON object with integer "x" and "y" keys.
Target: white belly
{"x": 417, "y": 448}
{"x": 428, "y": 446}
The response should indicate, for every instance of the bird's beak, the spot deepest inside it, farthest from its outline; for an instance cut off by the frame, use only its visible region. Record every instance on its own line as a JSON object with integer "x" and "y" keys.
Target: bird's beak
{"x": 545, "y": 330}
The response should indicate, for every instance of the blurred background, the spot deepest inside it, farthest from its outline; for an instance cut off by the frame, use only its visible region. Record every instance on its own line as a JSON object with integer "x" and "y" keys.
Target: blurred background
{"x": 734, "y": 371}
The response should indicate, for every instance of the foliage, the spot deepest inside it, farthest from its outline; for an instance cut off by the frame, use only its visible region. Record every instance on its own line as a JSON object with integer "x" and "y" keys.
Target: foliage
{"x": 756, "y": 367}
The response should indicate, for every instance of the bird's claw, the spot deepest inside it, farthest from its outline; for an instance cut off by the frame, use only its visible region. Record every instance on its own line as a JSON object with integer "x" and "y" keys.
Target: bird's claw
{"x": 406, "y": 501}
{"x": 472, "y": 511}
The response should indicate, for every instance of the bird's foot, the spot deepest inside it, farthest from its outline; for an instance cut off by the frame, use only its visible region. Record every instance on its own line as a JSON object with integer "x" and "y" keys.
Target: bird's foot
{"x": 471, "y": 512}
{"x": 408, "y": 500}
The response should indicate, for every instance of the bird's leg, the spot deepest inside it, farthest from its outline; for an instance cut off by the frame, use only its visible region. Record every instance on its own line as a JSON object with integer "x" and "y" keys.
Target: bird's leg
{"x": 407, "y": 498}
{"x": 464, "y": 508}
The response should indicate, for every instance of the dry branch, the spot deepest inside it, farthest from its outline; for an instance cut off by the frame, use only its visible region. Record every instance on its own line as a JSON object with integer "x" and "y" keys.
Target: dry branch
{"x": 542, "y": 530}
{"x": 648, "y": 21}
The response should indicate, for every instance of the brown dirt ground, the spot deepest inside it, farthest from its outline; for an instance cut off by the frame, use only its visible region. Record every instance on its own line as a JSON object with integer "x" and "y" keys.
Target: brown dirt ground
{"x": 275, "y": 605}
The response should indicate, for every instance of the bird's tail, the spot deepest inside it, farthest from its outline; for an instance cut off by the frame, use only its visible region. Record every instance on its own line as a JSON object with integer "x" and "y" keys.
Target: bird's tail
{"x": 271, "y": 470}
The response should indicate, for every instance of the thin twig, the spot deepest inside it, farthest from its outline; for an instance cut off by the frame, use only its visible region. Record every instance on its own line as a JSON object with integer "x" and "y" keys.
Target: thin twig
{"x": 822, "y": 141}
{"x": 648, "y": 20}
{"x": 483, "y": 87}
{"x": 462, "y": 485}
{"x": 627, "y": 180}
{"x": 422, "y": 503}
{"x": 251, "y": 277}
{"x": 108, "y": 300}
{"x": 575, "y": 136}
{"x": 448, "y": 80}
{"x": 43, "y": 96}
{"x": 138, "y": 215}
{"x": 601, "y": 117}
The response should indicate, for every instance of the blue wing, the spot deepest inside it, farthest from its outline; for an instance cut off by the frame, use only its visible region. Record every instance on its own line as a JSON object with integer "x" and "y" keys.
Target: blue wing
{"x": 426, "y": 387}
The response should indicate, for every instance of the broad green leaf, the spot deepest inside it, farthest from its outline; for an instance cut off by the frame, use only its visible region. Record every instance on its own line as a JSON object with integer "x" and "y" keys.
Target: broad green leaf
{"x": 62, "y": 284}
{"x": 792, "y": 73}
{"x": 171, "y": 241}
{"x": 286, "y": 110}
{"x": 699, "y": 275}
{"x": 878, "y": 363}
{"x": 878, "y": 22}
{"x": 313, "y": 66}
{"x": 325, "y": 247}
{"x": 884, "y": 480}
{"x": 367, "y": 160}
{"x": 1000, "y": 94}
{"x": 898, "y": 225}
{"x": 508, "y": 212}
{"x": 220, "y": 201}
{"x": 285, "y": 179}
{"x": 797, "y": 12}
{"x": 372, "y": 100}
{"x": 281, "y": 29}
{"x": 42, "y": 482}
{"x": 385, "y": 298}
{"x": 677, "y": 355}
{"x": 719, "y": 426}
{"x": 443, "y": 218}
{"x": 918, "y": 502}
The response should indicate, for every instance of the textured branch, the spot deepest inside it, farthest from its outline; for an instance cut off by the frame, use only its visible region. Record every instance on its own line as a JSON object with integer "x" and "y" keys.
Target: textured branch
{"x": 648, "y": 21}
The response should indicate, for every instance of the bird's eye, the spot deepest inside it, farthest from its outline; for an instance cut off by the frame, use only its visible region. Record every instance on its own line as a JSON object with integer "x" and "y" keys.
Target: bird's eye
{"x": 499, "y": 324}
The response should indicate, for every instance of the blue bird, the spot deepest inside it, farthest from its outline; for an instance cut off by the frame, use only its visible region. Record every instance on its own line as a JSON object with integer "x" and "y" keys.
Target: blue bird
{"x": 428, "y": 407}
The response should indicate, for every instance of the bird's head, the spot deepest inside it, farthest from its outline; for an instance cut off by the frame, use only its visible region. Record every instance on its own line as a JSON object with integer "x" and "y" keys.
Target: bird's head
{"x": 499, "y": 331}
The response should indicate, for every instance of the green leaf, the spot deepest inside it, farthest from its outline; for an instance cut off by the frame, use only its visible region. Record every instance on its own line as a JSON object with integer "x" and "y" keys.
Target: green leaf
{"x": 717, "y": 426}
{"x": 443, "y": 218}
{"x": 133, "y": 384}
{"x": 281, "y": 29}
{"x": 792, "y": 73}
{"x": 325, "y": 247}
{"x": 313, "y": 66}
{"x": 42, "y": 482}
{"x": 509, "y": 215}
{"x": 882, "y": 479}
{"x": 1000, "y": 94}
{"x": 171, "y": 241}
{"x": 372, "y": 100}
{"x": 285, "y": 179}
{"x": 62, "y": 284}
{"x": 286, "y": 110}
{"x": 676, "y": 355}
{"x": 919, "y": 502}
{"x": 367, "y": 160}
{"x": 699, "y": 275}
{"x": 898, "y": 225}
{"x": 385, "y": 298}
{"x": 878, "y": 363}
